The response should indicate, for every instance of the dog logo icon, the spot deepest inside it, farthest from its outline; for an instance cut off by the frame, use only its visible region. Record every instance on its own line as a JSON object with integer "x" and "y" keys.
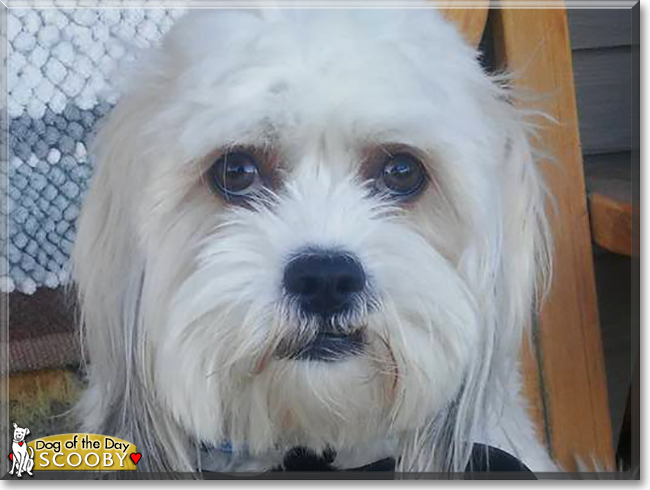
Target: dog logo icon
{"x": 21, "y": 459}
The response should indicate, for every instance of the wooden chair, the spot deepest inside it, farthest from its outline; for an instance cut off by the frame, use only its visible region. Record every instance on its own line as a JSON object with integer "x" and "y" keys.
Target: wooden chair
{"x": 564, "y": 370}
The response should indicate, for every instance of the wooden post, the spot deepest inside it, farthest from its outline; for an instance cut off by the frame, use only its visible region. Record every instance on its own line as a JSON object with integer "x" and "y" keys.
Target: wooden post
{"x": 564, "y": 372}
{"x": 469, "y": 21}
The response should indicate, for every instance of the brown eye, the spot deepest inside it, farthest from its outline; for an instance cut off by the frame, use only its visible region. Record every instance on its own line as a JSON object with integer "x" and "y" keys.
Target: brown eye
{"x": 235, "y": 174}
{"x": 403, "y": 175}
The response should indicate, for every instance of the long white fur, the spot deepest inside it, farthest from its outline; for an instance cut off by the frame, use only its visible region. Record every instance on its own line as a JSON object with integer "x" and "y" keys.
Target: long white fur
{"x": 181, "y": 293}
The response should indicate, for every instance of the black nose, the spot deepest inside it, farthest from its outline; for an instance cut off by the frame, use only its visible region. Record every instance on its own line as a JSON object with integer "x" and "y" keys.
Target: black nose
{"x": 324, "y": 282}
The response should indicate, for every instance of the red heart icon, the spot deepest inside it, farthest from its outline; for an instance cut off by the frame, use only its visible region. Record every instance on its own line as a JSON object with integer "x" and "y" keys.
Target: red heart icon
{"x": 11, "y": 456}
{"x": 20, "y": 443}
{"x": 135, "y": 457}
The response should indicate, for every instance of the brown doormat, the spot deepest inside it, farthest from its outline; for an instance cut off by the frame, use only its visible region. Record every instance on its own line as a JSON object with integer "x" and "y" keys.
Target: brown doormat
{"x": 43, "y": 331}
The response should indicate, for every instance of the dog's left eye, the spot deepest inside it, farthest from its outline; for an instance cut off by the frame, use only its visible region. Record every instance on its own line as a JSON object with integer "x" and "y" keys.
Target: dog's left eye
{"x": 403, "y": 175}
{"x": 235, "y": 174}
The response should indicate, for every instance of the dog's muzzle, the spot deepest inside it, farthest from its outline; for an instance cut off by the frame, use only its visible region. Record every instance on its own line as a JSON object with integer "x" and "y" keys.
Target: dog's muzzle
{"x": 326, "y": 286}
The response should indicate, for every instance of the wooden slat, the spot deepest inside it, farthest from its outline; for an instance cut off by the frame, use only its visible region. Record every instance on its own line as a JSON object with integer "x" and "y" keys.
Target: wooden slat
{"x": 470, "y": 21}
{"x": 611, "y": 224}
{"x": 535, "y": 44}
{"x": 612, "y": 213}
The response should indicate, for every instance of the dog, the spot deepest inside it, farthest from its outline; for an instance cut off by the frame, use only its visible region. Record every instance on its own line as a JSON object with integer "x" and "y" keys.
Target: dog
{"x": 312, "y": 228}
{"x": 21, "y": 460}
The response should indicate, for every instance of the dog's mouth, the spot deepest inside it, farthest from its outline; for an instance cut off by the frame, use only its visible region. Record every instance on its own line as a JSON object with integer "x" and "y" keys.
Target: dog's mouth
{"x": 326, "y": 346}
{"x": 331, "y": 346}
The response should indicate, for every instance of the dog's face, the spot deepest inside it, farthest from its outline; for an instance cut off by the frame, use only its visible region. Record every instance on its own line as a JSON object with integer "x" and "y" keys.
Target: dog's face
{"x": 20, "y": 433}
{"x": 305, "y": 220}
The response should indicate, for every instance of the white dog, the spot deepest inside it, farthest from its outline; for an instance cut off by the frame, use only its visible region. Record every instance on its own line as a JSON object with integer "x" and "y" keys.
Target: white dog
{"x": 316, "y": 228}
{"x": 21, "y": 459}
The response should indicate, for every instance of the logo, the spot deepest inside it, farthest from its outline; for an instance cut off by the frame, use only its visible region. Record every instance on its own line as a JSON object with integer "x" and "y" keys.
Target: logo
{"x": 71, "y": 452}
{"x": 21, "y": 459}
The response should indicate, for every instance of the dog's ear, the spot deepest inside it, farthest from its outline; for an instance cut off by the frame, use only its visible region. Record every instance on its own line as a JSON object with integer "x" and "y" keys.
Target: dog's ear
{"x": 527, "y": 243}
{"x": 108, "y": 268}
{"x": 522, "y": 278}
{"x": 15, "y": 425}
{"x": 512, "y": 265}
{"x": 27, "y": 431}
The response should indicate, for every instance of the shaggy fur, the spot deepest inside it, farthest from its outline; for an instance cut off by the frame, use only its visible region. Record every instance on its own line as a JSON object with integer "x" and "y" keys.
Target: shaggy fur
{"x": 181, "y": 290}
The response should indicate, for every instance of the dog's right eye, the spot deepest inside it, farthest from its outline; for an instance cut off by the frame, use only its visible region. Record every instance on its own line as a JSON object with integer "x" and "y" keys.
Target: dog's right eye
{"x": 235, "y": 175}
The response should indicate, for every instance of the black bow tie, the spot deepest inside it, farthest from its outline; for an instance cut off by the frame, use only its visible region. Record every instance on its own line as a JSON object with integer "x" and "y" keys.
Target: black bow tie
{"x": 302, "y": 459}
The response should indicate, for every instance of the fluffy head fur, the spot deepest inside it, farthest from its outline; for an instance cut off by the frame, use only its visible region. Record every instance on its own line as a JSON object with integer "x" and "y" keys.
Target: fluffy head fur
{"x": 181, "y": 291}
